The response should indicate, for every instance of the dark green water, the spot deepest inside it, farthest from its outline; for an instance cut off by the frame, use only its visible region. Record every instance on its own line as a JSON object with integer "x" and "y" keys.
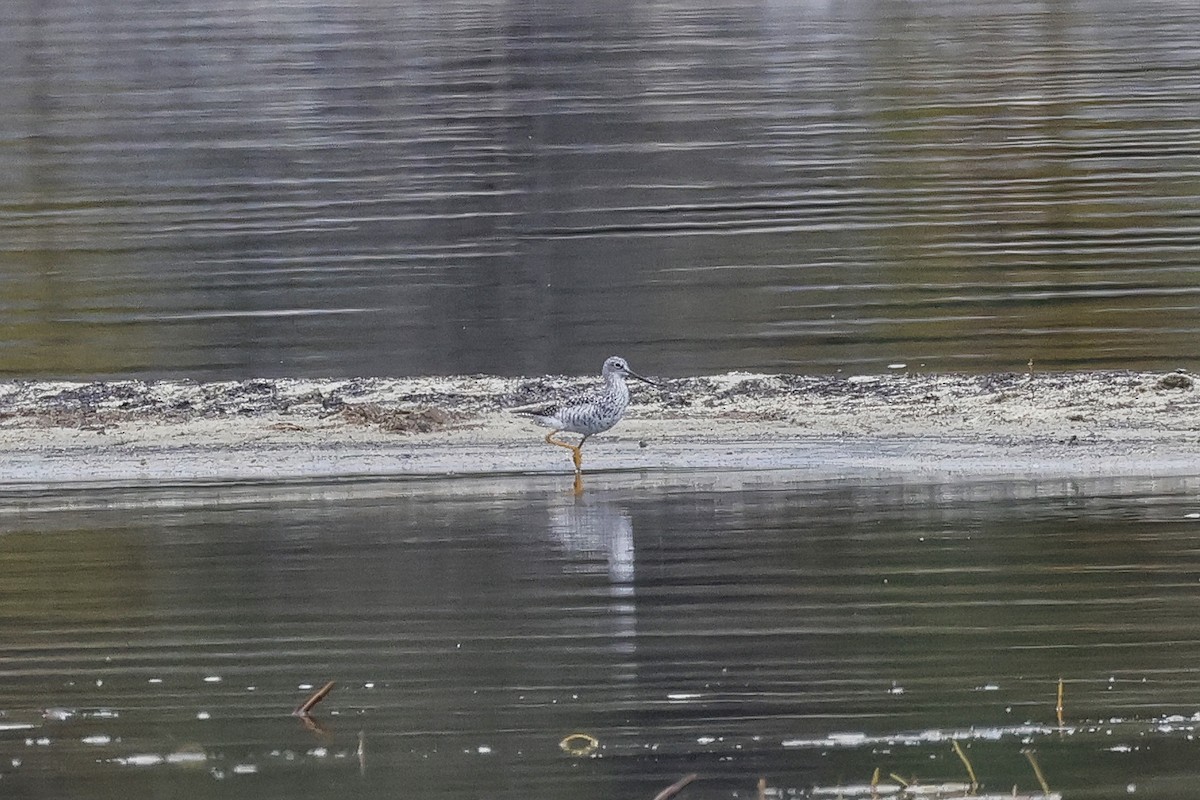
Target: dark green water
{"x": 740, "y": 627}
{"x": 220, "y": 190}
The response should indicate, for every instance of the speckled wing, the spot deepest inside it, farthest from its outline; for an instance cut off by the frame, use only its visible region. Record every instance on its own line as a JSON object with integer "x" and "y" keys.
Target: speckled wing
{"x": 541, "y": 412}
{"x": 567, "y": 413}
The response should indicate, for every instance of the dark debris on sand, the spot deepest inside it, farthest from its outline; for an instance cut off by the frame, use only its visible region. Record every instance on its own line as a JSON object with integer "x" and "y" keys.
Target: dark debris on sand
{"x": 422, "y": 405}
{"x": 398, "y": 420}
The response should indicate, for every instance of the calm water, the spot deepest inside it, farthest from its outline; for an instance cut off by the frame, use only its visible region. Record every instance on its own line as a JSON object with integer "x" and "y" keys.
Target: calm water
{"x": 219, "y": 189}
{"x": 155, "y": 642}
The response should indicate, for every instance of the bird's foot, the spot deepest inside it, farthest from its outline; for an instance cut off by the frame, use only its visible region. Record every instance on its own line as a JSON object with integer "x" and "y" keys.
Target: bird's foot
{"x": 576, "y": 450}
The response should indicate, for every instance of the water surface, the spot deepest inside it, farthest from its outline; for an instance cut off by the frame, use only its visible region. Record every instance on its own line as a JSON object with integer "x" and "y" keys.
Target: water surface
{"x": 217, "y": 190}
{"x": 736, "y": 626}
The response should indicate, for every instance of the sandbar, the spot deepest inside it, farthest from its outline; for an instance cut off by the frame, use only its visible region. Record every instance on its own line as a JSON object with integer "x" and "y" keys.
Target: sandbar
{"x": 899, "y": 425}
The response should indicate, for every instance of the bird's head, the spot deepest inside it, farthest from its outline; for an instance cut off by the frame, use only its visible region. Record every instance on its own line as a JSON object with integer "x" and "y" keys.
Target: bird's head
{"x": 615, "y": 365}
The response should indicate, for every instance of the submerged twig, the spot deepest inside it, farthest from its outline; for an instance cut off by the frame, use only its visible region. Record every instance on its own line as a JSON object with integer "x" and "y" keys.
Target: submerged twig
{"x": 676, "y": 787}
{"x": 313, "y": 725}
{"x": 1059, "y": 708}
{"x": 317, "y": 696}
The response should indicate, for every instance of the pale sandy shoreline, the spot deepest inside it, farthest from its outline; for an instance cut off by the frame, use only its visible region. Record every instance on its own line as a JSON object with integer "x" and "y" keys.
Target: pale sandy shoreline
{"x": 909, "y": 426}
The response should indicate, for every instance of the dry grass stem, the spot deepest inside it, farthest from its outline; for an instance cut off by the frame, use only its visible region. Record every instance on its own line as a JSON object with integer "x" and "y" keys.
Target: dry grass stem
{"x": 1037, "y": 770}
{"x": 966, "y": 763}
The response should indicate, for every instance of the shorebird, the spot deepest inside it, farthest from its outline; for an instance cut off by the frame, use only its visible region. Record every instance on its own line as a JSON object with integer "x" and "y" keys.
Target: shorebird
{"x": 587, "y": 414}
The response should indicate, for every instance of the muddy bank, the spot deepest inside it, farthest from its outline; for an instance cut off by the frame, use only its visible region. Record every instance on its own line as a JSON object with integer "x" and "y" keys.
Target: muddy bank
{"x": 1083, "y": 423}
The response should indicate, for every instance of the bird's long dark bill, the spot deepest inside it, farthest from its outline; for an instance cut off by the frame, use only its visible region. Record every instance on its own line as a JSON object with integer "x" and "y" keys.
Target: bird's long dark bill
{"x": 644, "y": 379}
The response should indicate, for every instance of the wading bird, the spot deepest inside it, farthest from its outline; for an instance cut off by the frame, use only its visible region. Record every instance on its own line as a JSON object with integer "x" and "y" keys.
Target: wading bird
{"x": 587, "y": 414}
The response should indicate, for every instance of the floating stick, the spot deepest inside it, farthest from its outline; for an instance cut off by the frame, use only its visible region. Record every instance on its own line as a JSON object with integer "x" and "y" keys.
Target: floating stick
{"x": 1036, "y": 769}
{"x": 675, "y": 787}
{"x": 316, "y": 697}
{"x": 966, "y": 763}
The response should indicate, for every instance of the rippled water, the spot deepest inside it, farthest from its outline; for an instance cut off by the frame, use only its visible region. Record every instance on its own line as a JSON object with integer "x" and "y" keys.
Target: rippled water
{"x": 218, "y": 189}
{"x": 739, "y": 627}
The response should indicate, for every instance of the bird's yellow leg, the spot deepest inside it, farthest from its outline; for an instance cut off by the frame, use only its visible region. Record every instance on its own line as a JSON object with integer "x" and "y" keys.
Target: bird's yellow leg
{"x": 576, "y": 452}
